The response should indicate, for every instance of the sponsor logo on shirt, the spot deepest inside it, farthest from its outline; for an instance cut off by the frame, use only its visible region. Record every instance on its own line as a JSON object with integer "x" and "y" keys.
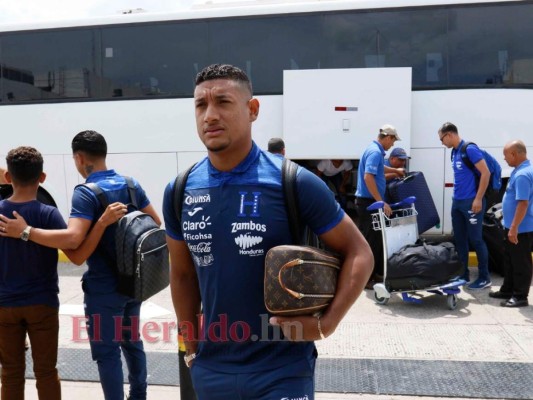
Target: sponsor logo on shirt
{"x": 194, "y": 211}
{"x": 202, "y": 247}
{"x": 247, "y": 226}
{"x": 245, "y": 241}
{"x": 198, "y": 199}
{"x": 198, "y": 225}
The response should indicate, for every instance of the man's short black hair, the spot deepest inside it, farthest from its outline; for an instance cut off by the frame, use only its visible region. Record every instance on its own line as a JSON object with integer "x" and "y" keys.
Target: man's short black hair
{"x": 448, "y": 127}
{"x": 91, "y": 143}
{"x": 276, "y": 145}
{"x": 25, "y": 164}
{"x": 224, "y": 71}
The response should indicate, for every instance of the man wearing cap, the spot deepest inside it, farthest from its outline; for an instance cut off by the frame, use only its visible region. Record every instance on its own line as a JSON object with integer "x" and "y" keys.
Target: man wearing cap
{"x": 276, "y": 145}
{"x": 371, "y": 188}
{"x": 396, "y": 161}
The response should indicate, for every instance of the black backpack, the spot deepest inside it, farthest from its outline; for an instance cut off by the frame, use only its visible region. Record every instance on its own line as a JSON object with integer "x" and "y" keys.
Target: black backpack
{"x": 495, "y": 181}
{"x": 142, "y": 259}
{"x": 300, "y": 233}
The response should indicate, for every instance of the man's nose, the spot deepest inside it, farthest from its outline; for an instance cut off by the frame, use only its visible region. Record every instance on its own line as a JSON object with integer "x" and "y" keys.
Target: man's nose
{"x": 211, "y": 113}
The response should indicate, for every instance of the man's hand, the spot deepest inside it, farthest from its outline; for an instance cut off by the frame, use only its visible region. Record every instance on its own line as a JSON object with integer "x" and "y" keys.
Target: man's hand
{"x": 512, "y": 236}
{"x": 400, "y": 172}
{"x": 12, "y": 227}
{"x": 477, "y": 205}
{"x": 298, "y": 329}
{"x": 113, "y": 213}
{"x": 387, "y": 210}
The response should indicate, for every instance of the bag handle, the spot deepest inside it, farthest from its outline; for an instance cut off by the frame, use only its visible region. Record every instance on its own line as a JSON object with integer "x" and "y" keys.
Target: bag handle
{"x": 304, "y": 263}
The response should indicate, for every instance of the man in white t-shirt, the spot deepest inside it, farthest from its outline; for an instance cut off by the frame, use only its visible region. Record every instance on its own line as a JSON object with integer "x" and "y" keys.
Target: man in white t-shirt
{"x": 336, "y": 172}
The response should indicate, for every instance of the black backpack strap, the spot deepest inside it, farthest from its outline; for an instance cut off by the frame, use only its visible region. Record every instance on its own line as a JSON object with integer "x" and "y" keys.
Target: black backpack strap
{"x": 99, "y": 193}
{"x": 132, "y": 191}
{"x": 179, "y": 191}
{"x": 464, "y": 156}
{"x": 289, "y": 170}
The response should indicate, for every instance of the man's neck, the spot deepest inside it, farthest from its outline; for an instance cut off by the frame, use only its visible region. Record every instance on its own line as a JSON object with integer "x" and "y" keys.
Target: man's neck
{"x": 93, "y": 168}
{"x": 225, "y": 161}
{"x": 457, "y": 141}
{"x": 23, "y": 194}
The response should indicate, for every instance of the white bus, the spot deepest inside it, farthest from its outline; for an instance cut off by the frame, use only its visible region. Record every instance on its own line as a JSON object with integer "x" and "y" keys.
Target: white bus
{"x": 130, "y": 77}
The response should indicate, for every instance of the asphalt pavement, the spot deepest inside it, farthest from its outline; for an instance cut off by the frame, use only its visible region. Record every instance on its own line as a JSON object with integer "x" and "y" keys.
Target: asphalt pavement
{"x": 399, "y": 351}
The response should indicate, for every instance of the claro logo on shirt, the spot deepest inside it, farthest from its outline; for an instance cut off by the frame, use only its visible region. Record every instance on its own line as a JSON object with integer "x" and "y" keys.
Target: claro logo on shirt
{"x": 305, "y": 397}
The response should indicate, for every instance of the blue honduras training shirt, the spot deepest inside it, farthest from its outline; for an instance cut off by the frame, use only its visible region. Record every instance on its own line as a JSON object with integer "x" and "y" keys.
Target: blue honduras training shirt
{"x": 100, "y": 277}
{"x": 465, "y": 182}
{"x": 229, "y": 221}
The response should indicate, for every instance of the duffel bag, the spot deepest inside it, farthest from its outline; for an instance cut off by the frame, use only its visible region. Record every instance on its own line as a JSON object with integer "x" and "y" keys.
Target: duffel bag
{"x": 420, "y": 265}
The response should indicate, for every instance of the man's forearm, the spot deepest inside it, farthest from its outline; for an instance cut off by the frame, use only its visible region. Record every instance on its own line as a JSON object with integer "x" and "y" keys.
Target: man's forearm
{"x": 483, "y": 185}
{"x": 55, "y": 238}
{"x": 370, "y": 182}
{"x": 187, "y": 306}
{"x": 520, "y": 213}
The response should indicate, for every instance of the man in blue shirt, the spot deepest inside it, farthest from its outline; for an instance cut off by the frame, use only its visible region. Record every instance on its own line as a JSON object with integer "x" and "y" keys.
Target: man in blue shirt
{"x": 276, "y": 145}
{"x": 468, "y": 204}
{"x": 113, "y": 318}
{"x": 371, "y": 187}
{"x": 518, "y": 222}
{"x": 397, "y": 160}
{"x": 233, "y": 213}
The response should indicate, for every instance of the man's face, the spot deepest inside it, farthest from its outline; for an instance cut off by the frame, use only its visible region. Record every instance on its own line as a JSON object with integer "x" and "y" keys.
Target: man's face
{"x": 224, "y": 113}
{"x": 396, "y": 162}
{"x": 509, "y": 157}
{"x": 445, "y": 139}
{"x": 388, "y": 142}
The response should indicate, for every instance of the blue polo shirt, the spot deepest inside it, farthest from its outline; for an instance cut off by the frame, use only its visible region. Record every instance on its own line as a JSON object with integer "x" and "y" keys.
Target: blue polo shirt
{"x": 372, "y": 162}
{"x": 229, "y": 222}
{"x": 28, "y": 271}
{"x": 519, "y": 188}
{"x": 465, "y": 180}
{"x": 100, "y": 278}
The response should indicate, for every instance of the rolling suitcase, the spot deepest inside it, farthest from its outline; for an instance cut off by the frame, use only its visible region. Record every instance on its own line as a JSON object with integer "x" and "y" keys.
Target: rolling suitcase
{"x": 414, "y": 184}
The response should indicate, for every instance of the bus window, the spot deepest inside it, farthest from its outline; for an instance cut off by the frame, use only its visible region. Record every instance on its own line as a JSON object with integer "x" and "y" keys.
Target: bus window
{"x": 47, "y": 65}
{"x": 153, "y": 60}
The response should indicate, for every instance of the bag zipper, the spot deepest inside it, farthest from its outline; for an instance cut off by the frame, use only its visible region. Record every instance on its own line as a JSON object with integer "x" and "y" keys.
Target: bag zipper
{"x": 300, "y": 261}
{"x": 140, "y": 256}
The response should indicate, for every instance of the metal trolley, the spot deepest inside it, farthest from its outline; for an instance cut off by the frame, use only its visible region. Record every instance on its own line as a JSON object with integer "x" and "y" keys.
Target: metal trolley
{"x": 399, "y": 230}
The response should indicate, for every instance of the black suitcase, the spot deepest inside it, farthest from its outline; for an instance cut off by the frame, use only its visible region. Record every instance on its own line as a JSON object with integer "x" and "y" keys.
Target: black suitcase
{"x": 494, "y": 237}
{"x": 415, "y": 184}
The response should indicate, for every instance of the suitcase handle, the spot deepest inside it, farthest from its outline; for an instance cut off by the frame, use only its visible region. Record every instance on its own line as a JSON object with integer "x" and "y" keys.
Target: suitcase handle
{"x": 407, "y": 178}
{"x": 404, "y": 203}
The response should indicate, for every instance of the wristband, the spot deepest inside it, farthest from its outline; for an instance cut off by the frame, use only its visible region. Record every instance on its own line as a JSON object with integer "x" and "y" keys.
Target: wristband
{"x": 319, "y": 326}
{"x": 188, "y": 359}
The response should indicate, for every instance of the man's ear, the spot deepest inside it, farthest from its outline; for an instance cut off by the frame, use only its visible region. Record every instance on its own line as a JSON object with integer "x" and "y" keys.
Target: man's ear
{"x": 42, "y": 177}
{"x": 7, "y": 175}
{"x": 253, "y": 106}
